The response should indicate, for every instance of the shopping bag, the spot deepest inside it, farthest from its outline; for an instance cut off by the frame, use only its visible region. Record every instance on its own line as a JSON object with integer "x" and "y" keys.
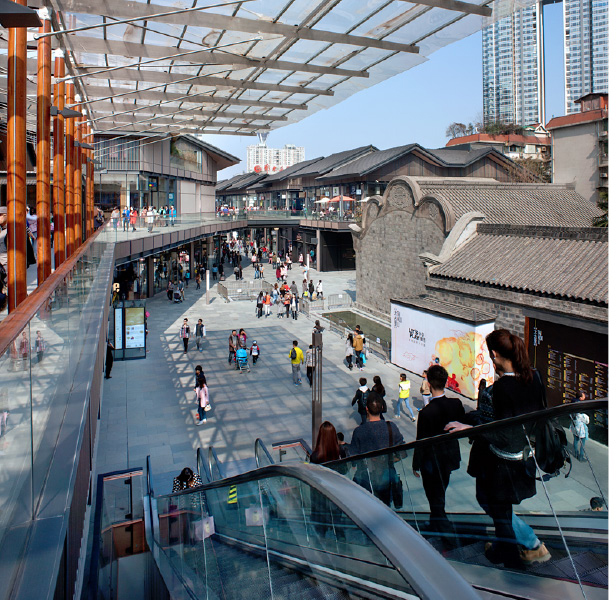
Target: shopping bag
{"x": 204, "y": 528}
{"x": 254, "y": 516}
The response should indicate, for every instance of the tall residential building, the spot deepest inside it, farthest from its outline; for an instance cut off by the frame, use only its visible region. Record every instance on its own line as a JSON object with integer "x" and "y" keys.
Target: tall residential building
{"x": 513, "y": 73}
{"x": 586, "y": 50}
{"x": 260, "y": 158}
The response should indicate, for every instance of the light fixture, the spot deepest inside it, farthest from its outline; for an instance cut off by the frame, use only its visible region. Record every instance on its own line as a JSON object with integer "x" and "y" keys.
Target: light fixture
{"x": 16, "y": 15}
{"x": 67, "y": 113}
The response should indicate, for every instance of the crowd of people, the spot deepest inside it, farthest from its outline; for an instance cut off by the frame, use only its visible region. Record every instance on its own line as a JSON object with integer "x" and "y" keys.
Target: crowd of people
{"x": 132, "y": 218}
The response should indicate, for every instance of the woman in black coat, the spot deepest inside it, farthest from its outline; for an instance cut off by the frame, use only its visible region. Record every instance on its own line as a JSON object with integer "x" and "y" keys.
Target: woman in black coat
{"x": 504, "y": 474}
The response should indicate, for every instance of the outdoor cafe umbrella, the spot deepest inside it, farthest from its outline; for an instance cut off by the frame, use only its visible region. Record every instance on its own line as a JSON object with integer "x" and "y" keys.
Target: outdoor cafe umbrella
{"x": 343, "y": 198}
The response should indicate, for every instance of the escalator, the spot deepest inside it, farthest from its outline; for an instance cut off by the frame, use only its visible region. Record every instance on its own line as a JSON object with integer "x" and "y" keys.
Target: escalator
{"x": 307, "y": 531}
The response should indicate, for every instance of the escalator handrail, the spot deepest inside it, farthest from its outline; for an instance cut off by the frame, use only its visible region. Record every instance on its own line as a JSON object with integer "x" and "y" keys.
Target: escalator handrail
{"x": 420, "y": 565}
{"x": 203, "y": 472}
{"x": 549, "y": 413}
{"x": 212, "y": 460}
{"x": 259, "y": 444}
{"x": 148, "y": 476}
{"x": 294, "y": 442}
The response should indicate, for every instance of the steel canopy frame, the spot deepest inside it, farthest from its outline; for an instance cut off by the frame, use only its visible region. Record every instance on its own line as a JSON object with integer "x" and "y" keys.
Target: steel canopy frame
{"x": 256, "y": 64}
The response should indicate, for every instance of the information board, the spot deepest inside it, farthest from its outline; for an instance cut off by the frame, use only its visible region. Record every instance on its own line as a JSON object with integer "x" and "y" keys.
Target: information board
{"x": 118, "y": 329}
{"x": 420, "y": 339}
{"x": 135, "y": 327}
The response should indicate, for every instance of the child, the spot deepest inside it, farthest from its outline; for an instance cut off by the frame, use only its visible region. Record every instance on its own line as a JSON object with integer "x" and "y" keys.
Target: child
{"x": 254, "y": 352}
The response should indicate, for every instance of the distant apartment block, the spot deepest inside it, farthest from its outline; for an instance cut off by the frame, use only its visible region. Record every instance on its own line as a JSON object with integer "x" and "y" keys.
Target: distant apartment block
{"x": 513, "y": 68}
{"x": 586, "y": 50}
{"x": 580, "y": 147}
{"x": 261, "y": 159}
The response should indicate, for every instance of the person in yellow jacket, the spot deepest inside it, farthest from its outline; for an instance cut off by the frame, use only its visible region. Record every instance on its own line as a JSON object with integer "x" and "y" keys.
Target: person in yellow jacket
{"x": 297, "y": 360}
{"x": 404, "y": 390}
{"x": 358, "y": 346}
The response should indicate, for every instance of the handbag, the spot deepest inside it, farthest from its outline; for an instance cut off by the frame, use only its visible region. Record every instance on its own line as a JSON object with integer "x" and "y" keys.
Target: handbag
{"x": 395, "y": 483}
{"x": 208, "y": 407}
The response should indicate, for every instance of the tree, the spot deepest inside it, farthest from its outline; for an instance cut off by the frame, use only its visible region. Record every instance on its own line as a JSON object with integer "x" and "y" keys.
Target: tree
{"x": 456, "y": 130}
{"x": 601, "y": 221}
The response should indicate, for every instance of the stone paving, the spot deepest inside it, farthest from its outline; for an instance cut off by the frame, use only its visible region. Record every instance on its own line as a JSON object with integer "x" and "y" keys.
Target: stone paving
{"x": 149, "y": 405}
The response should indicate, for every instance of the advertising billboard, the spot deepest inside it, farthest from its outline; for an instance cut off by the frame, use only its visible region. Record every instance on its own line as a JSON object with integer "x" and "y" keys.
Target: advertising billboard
{"x": 118, "y": 329}
{"x": 135, "y": 327}
{"x": 420, "y": 339}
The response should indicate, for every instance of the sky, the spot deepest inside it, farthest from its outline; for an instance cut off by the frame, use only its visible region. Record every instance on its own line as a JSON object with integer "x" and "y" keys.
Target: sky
{"x": 413, "y": 107}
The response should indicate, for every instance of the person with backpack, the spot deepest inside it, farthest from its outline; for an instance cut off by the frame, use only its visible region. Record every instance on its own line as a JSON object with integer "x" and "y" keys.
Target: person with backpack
{"x": 358, "y": 346}
{"x": 297, "y": 360}
{"x": 361, "y": 398}
{"x": 504, "y": 473}
{"x": 254, "y": 352}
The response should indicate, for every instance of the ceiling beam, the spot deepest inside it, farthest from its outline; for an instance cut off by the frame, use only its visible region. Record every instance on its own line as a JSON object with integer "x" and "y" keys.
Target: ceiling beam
{"x": 456, "y": 5}
{"x": 127, "y": 9}
{"x": 157, "y": 120}
{"x": 103, "y": 92}
{"x": 166, "y": 111}
{"x": 148, "y": 75}
{"x": 177, "y": 130}
{"x": 133, "y": 50}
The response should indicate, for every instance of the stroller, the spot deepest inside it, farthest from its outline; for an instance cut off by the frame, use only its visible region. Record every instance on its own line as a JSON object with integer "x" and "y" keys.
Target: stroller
{"x": 177, "y": 296}
{"x": 241, "y": 362}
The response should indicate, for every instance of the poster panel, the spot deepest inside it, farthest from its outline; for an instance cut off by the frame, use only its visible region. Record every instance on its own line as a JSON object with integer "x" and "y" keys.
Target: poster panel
{"x": 420, "y": 339}
{"x": 118, "y": 329}
{"x": 135, "y": 327}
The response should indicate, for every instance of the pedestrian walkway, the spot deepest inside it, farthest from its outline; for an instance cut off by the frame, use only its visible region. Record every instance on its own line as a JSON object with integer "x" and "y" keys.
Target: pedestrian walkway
{"x": 149, "y": 405}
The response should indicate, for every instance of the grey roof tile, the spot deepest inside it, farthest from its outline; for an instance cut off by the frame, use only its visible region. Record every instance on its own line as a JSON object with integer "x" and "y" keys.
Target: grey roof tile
{"x": 325, "y": 165}
{"x": 571, "y": 268}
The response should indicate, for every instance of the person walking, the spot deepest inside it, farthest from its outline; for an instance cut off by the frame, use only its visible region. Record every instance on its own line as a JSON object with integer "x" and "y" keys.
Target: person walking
{"x": 242, "y": 339}
{"x": 267, "y": 303}
{"x": 424, "y": 389}
{"x": 297, "y": 360}
{"x": 358, "y": 346}
{"x": 320, "y": 289}
{"x": 185, "y": 334}
{"x": 435, "y": 465}
{"x": 260, "y": 301}
{"x": 109, "y": 359}
{"x": 293, "y": 304}
{"x": 287, "y": 303}
{"x": 361, "y": 398}
{"x": 579, "y": 430}
{"x": 202, "y": 400}
{"x": 379, "y": 389}
{"x": 404, "y": 390}
{"x": 125, "y": 218}
{"x": 254, "y": 352}
{"x": 39, "y": 347}
{"x": 133, "y": 219}
{"x": 293, "y": 288}
{"x": 309, "y": 364}
{"x": 311, "y": 290}
{"x": 349, "y": 352}
{"x": 234, "y": 344}
{"x": 198, "y": 280}
{"x": 199, "y": 333}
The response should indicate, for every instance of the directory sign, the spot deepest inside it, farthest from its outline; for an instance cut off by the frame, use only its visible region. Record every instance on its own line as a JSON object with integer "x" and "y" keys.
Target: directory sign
{"x": 420, "y": 338}
{"x": 135, "y": 327}
{"x": 118, "y": 329}
{"x": 570, "y": 359}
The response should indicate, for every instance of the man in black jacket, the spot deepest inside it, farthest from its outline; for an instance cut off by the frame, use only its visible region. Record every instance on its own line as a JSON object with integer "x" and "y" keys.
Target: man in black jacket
{"x": 435, "y": 463}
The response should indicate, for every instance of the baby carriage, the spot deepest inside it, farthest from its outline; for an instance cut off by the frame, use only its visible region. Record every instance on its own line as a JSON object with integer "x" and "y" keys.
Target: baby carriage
{"x": 177, "y": 296}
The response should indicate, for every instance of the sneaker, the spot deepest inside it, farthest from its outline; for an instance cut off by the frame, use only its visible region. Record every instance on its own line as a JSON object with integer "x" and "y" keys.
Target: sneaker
{"x": 540, "y": 554}
{"x": 396, "y": 416}
{"x": 413, "y": 419}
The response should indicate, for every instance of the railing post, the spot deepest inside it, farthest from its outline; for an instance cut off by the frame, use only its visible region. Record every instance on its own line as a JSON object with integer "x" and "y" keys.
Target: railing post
{"x": 77, "y": 190}
{"x": 59, "y": 233}
{"x": 16, "y": 166}
{"x": 43, "y": 151}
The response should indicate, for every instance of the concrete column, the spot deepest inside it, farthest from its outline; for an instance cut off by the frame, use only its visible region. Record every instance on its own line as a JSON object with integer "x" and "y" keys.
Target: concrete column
{"x": 43, "y": 152}
{"x": 77, "y": 189}
{"x": 318, "y": 252}
{"x": 16, "y": 166}
{"x": 149, "y": 265}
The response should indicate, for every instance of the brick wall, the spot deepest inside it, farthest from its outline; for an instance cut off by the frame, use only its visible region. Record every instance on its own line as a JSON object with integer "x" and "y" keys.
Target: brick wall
{"x": 387, "y": 259}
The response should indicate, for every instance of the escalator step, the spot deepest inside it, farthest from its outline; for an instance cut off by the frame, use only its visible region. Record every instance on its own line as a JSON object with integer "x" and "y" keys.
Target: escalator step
{"x": 598, "y": 577}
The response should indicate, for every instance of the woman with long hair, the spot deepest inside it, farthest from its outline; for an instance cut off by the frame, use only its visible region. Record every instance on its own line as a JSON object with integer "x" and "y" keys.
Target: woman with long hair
{"x": 326, "y": 448}
{"x": 504, "y": 473}
{"x": 379, "y": 389}
{"x": 349, "y": 352}
{"x": 186, "y": 479}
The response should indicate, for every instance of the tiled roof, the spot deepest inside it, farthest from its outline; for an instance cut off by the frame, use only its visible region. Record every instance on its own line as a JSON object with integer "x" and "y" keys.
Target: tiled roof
{"x": 223, "y": 185}
{"x": 333, "y": 161}
{"x": 447, "y": 309}
{"x": 290, "y": 171}
{"x": 566, "y": 267}
{"x": 369, "y": 162}
{"x": 246, "y": 181}
{"x": 514, "y": 203}
{"x": 577, "y": 118}
{"x": 455, "y": 157}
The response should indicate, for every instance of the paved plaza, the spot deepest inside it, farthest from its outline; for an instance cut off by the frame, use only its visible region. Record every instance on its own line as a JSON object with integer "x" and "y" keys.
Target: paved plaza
{"x": 149, "y": 405}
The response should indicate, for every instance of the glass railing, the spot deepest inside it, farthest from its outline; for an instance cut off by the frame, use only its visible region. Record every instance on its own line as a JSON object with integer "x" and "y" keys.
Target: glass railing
{"x": 48, "y": 353}
{"x": 263, "y": 458}
{"x": 293, "y": 532}
{"x": 458, "y": 491}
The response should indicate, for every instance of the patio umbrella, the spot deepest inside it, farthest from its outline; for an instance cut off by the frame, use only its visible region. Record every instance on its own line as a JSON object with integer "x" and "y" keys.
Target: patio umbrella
{"x": 343, "y": 198}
